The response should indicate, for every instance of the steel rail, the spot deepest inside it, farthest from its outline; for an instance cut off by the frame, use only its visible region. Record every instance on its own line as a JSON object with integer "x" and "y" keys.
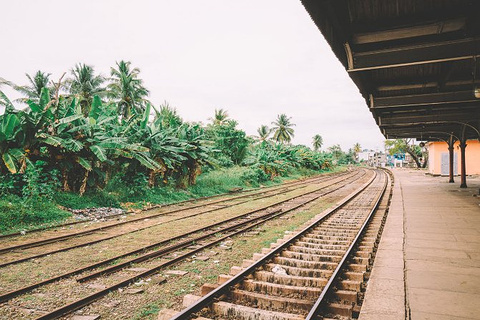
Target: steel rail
{"x": 14, "y": 293}
{"x": 224, "y": 288}
{"x": 188, "y": 242}
{"x": 66, "y": 309}
{"x": 314, "y": 312}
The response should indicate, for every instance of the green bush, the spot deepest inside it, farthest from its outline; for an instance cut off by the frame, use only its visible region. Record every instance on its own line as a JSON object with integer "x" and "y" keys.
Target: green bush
{"x": 11, "y": 184}
{"x": 40, "y": 181}
{"x": 16, "y": 214}
{"x": 254, "y": 176}
{"x": 100, "y": 198}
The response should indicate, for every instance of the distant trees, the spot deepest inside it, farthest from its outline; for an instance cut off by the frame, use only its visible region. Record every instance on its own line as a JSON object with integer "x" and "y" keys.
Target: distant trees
{"x": 220, "y": 117}
{"x": 77, "y": 134}
{"x": 126, "y": 89}
{"x": 317, "y": 142}
{"x": 230, "y": 142}
{"x": 263, "y": 134}
{"x": 33, "y": 90}
{"x": 84, "y": 84}
{"x": 356, "y": 150}
{"x": 167, "y": 117}
{"x": 336, "y": 151}
{"x": 282, "y": 130}
{"x": 407, "y": 146}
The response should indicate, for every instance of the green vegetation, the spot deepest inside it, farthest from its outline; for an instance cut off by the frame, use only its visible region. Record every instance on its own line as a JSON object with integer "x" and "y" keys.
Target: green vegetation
{"x": 90, "y": 141}
{"x": 147, "y": 311}
{"x": 418, "y": 154}
{"x": 16, "y": 214}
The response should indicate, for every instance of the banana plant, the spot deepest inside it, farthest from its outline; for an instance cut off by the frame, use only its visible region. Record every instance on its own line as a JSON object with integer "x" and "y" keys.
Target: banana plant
{"x": 196, "y": 150}
{"x": 13, "y": 155}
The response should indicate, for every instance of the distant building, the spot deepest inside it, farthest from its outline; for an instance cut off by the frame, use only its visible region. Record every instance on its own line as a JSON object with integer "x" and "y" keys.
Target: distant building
{"x": 438, "y": 158}
{"x": 379, "y": 159}
{"x": 365, "y": 155}
{"x": 372, "y": 158}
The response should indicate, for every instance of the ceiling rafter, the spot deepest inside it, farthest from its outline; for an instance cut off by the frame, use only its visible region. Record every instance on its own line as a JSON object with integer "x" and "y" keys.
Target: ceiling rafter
{"x": 425, "y": 29}
{"x": 435, "y": 52}
{"x": 414, "y": 62}
{"x": 438, "y": 98}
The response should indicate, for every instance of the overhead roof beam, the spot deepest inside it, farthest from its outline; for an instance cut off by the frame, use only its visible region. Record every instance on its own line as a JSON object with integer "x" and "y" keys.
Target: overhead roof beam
{"x": 424, "y": 128}
{"x": 414, "y": 55}
{"x": 440, "y": 98}
{"x": 394, "y": 120}
{"x": 407, "y": 86}
{"x": 420, "y": 132}
{"x": 424, "y": 85}
{"x": 427, "y": 29}
{"x": 424, "y": 136}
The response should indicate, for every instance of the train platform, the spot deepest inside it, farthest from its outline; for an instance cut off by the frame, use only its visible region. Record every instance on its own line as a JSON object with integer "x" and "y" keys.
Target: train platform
{"x": 428, "y": 261}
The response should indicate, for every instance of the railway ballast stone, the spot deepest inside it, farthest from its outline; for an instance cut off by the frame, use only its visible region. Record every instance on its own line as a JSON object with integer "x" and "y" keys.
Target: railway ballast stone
{"x": 202, "y": 258}
{"x": 190, "y": 299}
{"x": 166, "y": 314}
{"x": 95, "y": 213}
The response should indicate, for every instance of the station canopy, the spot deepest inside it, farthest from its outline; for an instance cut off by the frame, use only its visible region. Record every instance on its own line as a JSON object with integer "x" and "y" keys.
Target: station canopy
{"x": 416, "y": 62}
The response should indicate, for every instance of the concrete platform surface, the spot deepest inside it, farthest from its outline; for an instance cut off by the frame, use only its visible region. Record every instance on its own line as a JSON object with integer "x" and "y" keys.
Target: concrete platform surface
{"x": 428, "y": 261}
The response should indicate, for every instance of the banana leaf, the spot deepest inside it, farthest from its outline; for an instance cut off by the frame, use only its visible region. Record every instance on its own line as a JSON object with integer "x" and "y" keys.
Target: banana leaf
{"x": 84, "y": 163}
{"x": 69, "y": 119}
{"x": 9, "y": 162}
{"x": 96, "y": 108}
{"x": 99, "y": 152}
{"x": 51, "y": 140}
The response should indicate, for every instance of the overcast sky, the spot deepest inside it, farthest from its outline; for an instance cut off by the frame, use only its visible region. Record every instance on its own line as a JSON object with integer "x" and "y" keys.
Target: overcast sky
{"x": 254, "y": 58}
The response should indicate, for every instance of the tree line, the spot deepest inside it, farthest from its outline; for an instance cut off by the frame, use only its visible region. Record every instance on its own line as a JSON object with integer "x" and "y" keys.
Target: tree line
{"x": 80, "y": 131}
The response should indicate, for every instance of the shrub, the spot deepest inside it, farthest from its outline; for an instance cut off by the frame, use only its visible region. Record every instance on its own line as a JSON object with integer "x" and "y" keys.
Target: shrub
{"x": 99, "y": 198}
{"x": 254, "y": 176}
{"x": 16, "y": 214}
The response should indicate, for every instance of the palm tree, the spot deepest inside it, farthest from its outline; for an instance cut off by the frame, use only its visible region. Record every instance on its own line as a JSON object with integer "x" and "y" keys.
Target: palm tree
{"x": 263, "y": 133}
{"x": 33, "y": 90}
{"x": 84, "y": 85}
{"x": 221, "y": 116}
{"x": 4, "y": 101}
{"x": 127, "y": 89}
{"x": 317, "y": 142}
{"x": 282, "y": 129}
{"x": 356, "y": 150}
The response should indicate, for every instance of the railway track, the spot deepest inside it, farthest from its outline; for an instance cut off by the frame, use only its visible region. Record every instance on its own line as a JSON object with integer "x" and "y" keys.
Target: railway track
{"x": 343, "y": 298}
{"x": 206, "y": 198}
{"x": 181, "y": 203}
{"x": 92, "y": 236}
{"x": 154, "y": 260}
{"x": 318, "y": 273}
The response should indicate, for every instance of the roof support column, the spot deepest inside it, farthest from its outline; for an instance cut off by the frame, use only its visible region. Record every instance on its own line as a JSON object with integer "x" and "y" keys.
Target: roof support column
{"x": 451, "y": 142}
{"x": 463, "y": 145}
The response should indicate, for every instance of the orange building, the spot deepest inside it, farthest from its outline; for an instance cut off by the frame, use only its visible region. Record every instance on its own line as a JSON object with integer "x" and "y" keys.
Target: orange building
{"x": 438, "y": 158}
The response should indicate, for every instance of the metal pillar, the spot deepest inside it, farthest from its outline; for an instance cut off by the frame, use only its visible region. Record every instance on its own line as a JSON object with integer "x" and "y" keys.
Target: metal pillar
{"x": 451, "y": 142}
{"x": 463, "y": 145}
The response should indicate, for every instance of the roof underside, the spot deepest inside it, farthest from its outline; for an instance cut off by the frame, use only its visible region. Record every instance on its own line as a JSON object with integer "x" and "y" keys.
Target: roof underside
{"x": 414, "y": 61}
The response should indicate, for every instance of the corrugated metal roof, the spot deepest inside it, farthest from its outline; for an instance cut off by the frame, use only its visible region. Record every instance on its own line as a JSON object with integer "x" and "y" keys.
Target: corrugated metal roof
{"x": 408, "y": 57}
